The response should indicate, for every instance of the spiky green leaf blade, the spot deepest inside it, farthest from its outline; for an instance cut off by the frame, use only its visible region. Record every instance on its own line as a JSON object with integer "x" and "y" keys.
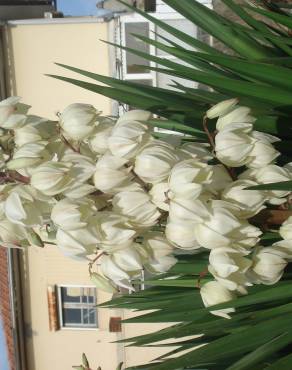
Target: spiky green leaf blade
{"x": 220, "y": 28}
{"x": 267, "y": 349}
{"x": 284, "y": 185}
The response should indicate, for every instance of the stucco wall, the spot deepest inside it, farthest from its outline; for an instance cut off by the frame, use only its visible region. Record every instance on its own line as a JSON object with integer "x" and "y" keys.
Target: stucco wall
{"x": 32, "y": 50}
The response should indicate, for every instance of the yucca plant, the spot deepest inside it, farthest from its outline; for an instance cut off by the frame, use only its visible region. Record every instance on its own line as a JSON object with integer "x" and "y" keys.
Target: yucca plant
{"x": 257, "y": 71}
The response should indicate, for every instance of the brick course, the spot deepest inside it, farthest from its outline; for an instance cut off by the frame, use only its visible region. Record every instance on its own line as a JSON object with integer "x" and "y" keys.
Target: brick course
{"x": 5, "y": 307}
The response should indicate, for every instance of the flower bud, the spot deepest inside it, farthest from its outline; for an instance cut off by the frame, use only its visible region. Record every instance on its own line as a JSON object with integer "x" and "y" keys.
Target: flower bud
{"x": 237, "y": 115}
{"x": 221, "y": 108}
{"x": 135, "y": 115}
{"x": 78, "y": 120}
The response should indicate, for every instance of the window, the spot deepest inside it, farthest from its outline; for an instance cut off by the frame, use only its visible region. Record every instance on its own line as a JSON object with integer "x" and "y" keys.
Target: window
{"x": 132, "y": 65}
{"x": 77, "y": 307}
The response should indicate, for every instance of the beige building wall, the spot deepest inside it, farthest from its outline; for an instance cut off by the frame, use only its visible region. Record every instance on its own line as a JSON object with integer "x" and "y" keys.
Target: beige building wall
{"x": 32, "y": 49}
{"x": 34, "y": 46}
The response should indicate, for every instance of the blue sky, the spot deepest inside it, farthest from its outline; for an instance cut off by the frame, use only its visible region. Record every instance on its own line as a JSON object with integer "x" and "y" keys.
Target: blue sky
{"x": 77, "y": 7}
{"x": 3, "y": 353}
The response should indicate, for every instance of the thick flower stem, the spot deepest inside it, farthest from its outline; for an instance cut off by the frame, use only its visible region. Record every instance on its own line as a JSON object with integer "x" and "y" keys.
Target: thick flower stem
{"x": 13, "y": 176}
{"x": 268, "y": 217}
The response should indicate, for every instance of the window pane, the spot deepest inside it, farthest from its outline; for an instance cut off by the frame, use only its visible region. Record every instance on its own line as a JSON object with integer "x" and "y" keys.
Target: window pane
{"x": 141, "y": 28}
{"x": 180, "y": 24}
{"x": 164, "y": 80}
{"x": 72, "y": 316}
{"x": 70, "y": 294}
{"x": 92, "y": 316}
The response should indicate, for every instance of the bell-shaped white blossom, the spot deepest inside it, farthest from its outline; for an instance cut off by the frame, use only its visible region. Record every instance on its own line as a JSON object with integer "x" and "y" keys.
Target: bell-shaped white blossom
{"x": 23, "y": 207}
{"x": 12, "y": 235}
{"x": 98, "y": 139}
{"x": 222, "y": 229}
{"x": 268, "y": 267}
{"x": 199, "y": 151}
{"x": 113, "y": 231}
{"x": 135, "y": 115}
{"x": 220, "y": 180}
{"x": 182, "y": 233}
{"x": 154, "y": 163}
{"x": 234, "y": 144}
{"x": 221, "y": 108}
{"x": 8, "y": 107}
{"x": 112, "y": 174}
{"x": 238, "y": 115}
{"x": 34, "y": 129}
{"x": 128, "y": 137}
{"x": 263, "y": 151}
{"x": 214, "y": 293}
{"x": 188, "y": 177}
{"x": 249, "y": 202}
{"x": 128, "y": 258}
{"x": 286, "y": 229}
{"x": 70, "y": 214}
{"x": 52, "y": 178}
{"x": 159, "y": 195}
{"x": 29, "y": 155}
{"x": 115, "y": 273}
{"x": 78, "y": 120}
{"x": 137, "y": 206}
{"x": 76, "y": 243}
{"x": 160, "y": 258}
{"x": 269, "y": 174}
{"x": 102, "y": 283}
{"x": 229, "y": 266}
{"x": 82, "y": 170}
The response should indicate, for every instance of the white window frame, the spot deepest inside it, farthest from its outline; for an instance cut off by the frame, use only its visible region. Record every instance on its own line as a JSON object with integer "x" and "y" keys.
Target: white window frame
{"x": 60, "y": 308}
{"x": 137, "y": 18}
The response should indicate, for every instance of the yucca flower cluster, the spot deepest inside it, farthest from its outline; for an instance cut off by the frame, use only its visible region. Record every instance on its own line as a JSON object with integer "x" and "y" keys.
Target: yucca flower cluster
{"x": 105, "y": 190}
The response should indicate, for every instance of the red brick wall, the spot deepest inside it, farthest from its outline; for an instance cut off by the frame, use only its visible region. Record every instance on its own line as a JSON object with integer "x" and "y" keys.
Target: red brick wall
{"x": 5, "y": 306}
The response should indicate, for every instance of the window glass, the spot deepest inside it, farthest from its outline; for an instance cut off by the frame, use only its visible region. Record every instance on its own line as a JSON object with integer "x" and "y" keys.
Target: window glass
{"x": 141, "y": 28}
{"x": 77, "y": 307}
{"x": 164, "y": 80}
{"x": 180, "y": 24}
